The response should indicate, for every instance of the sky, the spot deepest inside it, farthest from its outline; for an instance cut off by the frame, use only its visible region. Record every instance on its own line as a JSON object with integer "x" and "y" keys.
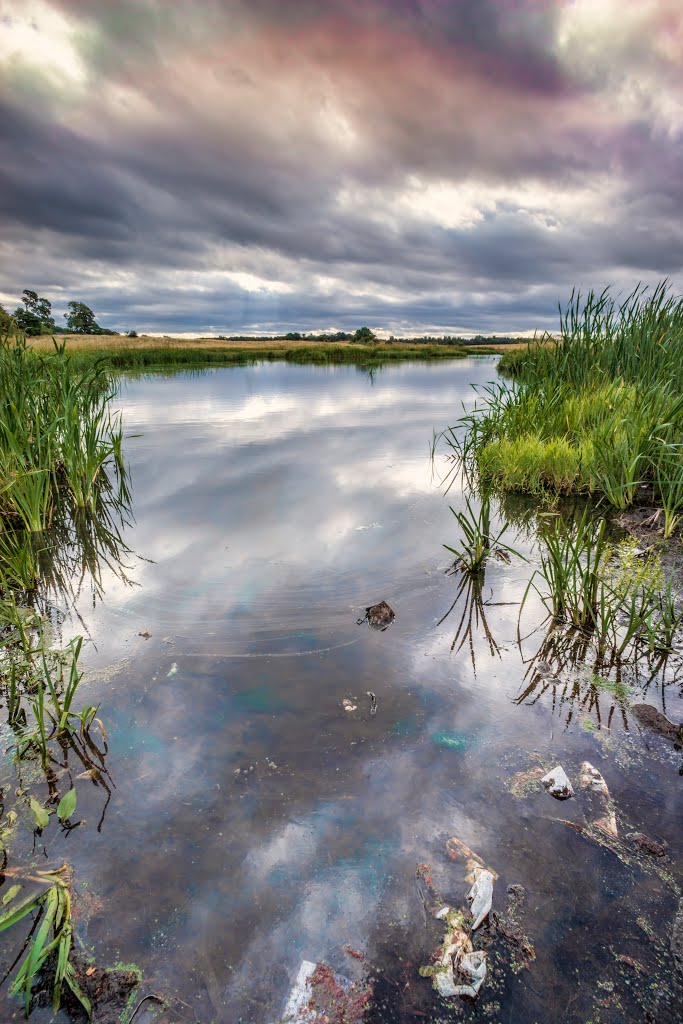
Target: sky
{"x": 258, "y": 166}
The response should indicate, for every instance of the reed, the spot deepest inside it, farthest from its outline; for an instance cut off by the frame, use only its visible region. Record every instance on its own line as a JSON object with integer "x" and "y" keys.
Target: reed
{"x": 57, "y": 434}
{"x": 610, "y": 593}
{"x": 573, "y": 559}
{"x": 477, "y": 542}
{"x": 597, "y": 410}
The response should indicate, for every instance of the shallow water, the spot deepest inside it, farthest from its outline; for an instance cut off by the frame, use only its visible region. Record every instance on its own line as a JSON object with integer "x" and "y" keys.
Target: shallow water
{"x": 253, "y": 822}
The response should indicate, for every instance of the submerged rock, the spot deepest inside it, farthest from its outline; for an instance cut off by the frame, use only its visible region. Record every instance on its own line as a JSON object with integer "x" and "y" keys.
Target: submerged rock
{"x": 649, "y": 717}
{"x": 646, "y": 844}
{"x": 601, "y": 812}
{"x": 378, "y": 616}
{"x": 557, "y": 784}
{"x": 108, "y": 989}
{"x": 509, "y": 926}
{"x": 320, "y": 994}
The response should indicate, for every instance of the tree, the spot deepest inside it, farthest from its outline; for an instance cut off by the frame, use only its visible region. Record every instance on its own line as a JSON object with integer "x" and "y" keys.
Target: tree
{"x": 81, "y": 319}
{"x": 36, "y": 315}
{"x": 364, "y": 336}
{"x": 5, "y": 321}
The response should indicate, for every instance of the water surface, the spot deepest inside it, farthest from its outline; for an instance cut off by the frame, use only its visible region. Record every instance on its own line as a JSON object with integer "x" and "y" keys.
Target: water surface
{"x": 253, "y": 821}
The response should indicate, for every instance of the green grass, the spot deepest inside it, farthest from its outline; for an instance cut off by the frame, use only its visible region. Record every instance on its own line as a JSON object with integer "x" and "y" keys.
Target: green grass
{"x": 598, "y": 410}
{"x": 62, "y": 491}
{"x": 244, "y": 355}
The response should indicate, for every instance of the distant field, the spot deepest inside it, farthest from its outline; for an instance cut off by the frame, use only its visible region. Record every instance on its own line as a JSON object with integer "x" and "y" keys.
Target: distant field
{"x": 123, "y": 346}
{"x": 146, "y": 352}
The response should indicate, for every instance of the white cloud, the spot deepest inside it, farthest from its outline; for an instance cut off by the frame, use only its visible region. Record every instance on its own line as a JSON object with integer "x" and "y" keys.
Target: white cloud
{"x": 35, "y": 36}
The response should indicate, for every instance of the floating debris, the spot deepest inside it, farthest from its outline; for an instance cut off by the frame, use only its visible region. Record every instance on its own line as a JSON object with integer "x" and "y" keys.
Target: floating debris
{"x": 460, "y": 970}
{"x": 601, "y": 812}
{"x": 172, "y": 671}
{"x": 378, "y": 616}
{"x": 145, "y": 634}
{"x": 348, "y": 705}
{"x": 646, "y": 844}
{"x": 480, "y": 896}
{"x": 457, "y": 850}
{"x": 373, "y": 702}
{"x": 544, "y": 670}
{"x": 480, "y": 877}
{"x": 557, "y": 784}
{"x": 320, "y": 994}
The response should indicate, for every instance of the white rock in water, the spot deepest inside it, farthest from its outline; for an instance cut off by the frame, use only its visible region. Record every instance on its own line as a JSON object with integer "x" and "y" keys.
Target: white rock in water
{"x": 557, "y": 784}
{"x": 480, "y": 897}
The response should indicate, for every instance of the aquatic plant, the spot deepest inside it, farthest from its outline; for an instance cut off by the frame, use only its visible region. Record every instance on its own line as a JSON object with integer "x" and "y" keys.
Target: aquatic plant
{"x": 50, "y": 938}
{"x": 477, "y": 541}
{"x": 613, "y": 593}
{"x": 137, "y": 355}
{"x": 573, "y": 557}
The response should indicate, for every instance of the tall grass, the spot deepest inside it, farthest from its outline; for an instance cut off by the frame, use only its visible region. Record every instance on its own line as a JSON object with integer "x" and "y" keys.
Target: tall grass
{"x": 598, "y": 410}
{"x": 62, "y": 483}
{"x": 57, "y": 436}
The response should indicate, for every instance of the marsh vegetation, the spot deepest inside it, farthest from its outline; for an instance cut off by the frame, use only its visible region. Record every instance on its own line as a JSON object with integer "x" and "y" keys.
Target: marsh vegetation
{"x": 594, "y": 414}
{"x": 597, "y": 411}
{"x": 62, "y": 484}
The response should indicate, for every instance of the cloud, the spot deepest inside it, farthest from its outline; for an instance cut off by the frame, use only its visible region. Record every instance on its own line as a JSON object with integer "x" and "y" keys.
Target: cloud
{"x": 414, "y": 165}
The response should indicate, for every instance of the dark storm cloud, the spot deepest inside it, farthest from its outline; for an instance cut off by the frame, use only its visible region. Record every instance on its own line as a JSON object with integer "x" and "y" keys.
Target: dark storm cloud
{"x": 309, "y": 164}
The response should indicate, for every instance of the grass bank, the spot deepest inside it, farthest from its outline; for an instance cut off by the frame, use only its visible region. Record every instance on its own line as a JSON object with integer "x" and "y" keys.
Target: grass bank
{"x": 598, "y": 410}
{"x": 123, "y": 353}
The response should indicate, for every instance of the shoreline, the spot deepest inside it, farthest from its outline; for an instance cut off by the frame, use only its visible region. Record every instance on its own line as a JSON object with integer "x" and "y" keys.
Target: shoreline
{"x": 123, "y": 353}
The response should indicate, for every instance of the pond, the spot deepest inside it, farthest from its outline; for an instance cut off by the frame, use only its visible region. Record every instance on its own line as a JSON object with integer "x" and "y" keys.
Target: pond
{"x": 251, "y": 820}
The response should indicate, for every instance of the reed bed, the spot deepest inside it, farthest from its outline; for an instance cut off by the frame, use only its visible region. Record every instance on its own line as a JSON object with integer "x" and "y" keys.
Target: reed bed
{"x": 57, "y": 434}
{"x": 62, "y": 488}
{"x": 598, "y": 410}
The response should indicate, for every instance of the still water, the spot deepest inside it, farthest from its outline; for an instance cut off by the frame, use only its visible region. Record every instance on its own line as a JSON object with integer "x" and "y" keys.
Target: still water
{"x": 252, "y": 821}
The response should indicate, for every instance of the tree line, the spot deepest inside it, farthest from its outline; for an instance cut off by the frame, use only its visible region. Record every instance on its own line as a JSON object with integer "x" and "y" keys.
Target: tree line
{"x": 34, "y": 317}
